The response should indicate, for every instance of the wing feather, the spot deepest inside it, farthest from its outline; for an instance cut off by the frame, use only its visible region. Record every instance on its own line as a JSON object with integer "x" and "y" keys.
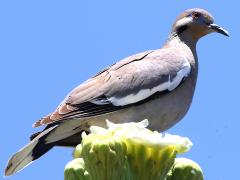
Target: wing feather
{"x": 129, "y": 81}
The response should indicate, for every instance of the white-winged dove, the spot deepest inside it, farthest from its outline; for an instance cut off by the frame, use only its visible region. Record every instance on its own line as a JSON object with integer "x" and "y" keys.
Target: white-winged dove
{"x": 157, "y": 85}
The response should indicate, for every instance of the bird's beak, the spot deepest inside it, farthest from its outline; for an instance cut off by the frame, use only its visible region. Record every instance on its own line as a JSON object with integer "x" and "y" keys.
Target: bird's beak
{"x": 218, "y": 29}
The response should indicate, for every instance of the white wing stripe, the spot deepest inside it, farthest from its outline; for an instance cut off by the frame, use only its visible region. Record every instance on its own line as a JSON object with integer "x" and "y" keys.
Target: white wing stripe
{"x": 184, "y": 72}
{"x": 142, "y": 94}
{"x": 145, "y": 93}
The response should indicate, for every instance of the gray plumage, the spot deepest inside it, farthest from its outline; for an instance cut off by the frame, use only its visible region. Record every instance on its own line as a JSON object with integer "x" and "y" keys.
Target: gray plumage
{"x": 157, "y": 85}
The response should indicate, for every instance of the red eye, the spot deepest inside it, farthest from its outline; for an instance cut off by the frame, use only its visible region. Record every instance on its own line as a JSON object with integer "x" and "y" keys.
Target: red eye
{"x": 195, "y": 15}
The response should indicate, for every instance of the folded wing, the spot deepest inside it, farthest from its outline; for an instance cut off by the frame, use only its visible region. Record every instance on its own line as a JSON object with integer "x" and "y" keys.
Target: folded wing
{"x": 129, "y": 81}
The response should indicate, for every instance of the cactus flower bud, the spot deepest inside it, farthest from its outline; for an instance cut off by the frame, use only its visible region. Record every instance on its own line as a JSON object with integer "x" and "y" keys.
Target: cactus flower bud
{"x": 185, "y": 169}
{"x": 127, "y": 151}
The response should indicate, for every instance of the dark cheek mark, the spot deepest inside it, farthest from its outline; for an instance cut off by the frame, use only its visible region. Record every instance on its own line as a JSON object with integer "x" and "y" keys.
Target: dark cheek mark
{"x": 182, "y": 29}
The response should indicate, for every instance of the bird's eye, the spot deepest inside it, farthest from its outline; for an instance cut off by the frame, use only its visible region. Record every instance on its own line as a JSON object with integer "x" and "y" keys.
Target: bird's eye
{"x": 195, "y": 15}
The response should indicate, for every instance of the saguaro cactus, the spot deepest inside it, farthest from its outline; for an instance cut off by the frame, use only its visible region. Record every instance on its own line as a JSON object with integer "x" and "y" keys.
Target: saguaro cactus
{"x": 129, "y": 152}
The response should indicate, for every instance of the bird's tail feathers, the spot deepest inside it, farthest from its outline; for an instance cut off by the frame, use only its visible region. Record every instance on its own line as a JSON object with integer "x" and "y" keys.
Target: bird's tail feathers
{"x": 62, "y": 134}
{"x": 36, "y": 148}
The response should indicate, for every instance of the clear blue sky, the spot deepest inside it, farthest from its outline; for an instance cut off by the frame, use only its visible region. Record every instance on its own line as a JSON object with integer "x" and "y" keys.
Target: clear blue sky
{"x": 49, "y": 47}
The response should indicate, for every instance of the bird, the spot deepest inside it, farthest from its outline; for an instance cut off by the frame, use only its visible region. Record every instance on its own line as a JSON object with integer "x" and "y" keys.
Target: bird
{"x": 157, "y": 85}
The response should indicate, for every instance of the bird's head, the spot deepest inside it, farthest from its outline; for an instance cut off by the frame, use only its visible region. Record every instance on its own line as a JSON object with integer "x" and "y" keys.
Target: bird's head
{"x": 196, "y": 23}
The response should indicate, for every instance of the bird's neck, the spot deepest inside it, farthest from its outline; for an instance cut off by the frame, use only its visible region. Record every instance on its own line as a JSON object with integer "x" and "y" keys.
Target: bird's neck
{"x": 183, "y": 39}
{"x": 186, "y": 45}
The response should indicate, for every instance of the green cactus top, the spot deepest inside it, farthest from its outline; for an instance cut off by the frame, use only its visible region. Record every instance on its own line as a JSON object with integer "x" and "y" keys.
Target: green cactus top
{"x": 126, "y": 152}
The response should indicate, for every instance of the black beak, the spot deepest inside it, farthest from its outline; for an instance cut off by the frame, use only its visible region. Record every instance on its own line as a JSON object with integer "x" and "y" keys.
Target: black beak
{"x": 218, "y": 29}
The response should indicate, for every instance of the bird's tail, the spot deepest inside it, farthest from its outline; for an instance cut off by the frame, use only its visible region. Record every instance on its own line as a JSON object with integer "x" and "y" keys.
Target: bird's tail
{"x": 36, "y": 148}
{"x": 61, "y": 134}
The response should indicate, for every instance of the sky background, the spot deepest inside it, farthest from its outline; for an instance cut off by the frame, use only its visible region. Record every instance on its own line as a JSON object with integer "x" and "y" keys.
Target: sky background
{"x": 49, "y": 47}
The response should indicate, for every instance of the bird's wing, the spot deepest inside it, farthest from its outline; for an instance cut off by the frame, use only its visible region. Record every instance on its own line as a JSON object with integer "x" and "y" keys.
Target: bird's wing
{"x": 129, "y": 81}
